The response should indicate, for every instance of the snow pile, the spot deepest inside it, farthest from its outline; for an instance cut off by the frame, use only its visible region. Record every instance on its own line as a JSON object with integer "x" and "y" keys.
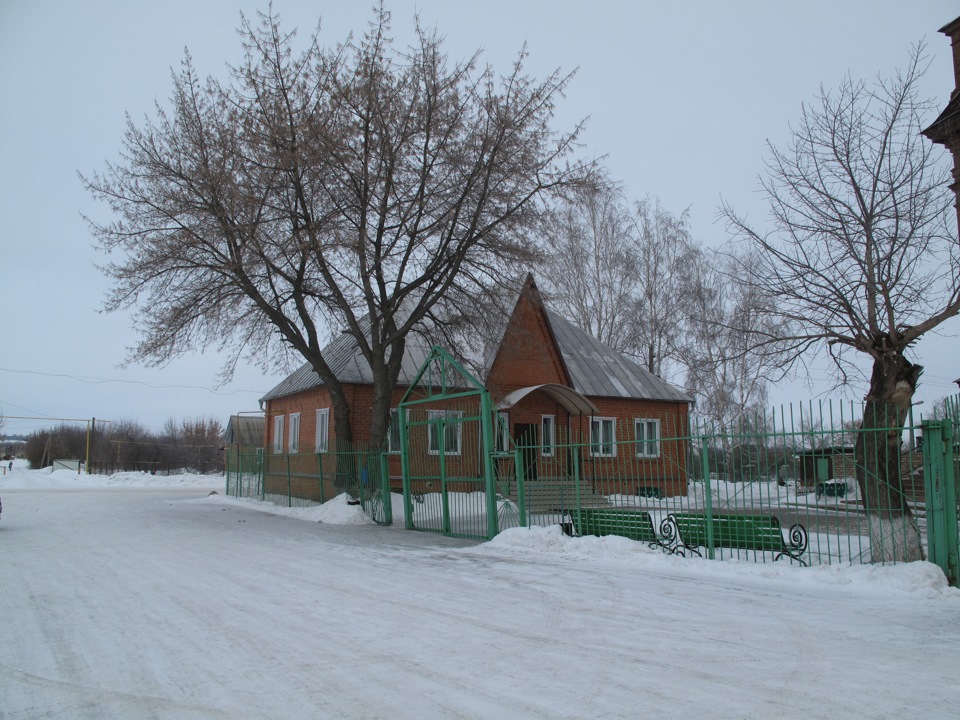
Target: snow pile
{"x": 919, "y": 579}
{"x": 338, "y": 511}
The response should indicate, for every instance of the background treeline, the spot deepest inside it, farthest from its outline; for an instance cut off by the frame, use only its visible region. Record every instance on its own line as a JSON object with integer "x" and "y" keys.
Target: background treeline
{"x": 185, "y": 446}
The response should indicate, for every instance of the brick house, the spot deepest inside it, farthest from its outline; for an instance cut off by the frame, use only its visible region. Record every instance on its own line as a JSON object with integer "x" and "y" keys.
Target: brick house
{"x": 554, "y": 387}
{"x": 945, "y": 130}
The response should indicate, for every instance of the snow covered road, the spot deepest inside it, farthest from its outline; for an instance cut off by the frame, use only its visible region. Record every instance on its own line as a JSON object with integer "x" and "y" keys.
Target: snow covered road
{"x": 164, "y": 603}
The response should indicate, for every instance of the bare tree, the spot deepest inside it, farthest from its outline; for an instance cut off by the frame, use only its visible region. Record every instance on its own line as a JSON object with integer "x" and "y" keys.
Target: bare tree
{"x": 616, "y": 272}
{"x": 664, "y": 250}
{"x": 863, "y": 260}
{"x": 347, "y": 188}
{"x": 591, "y": 270}
{"x": 721, "y": 316}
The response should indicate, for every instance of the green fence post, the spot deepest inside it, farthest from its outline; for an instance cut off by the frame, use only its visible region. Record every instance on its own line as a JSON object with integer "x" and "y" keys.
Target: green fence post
{"x": 289, "y": 485}
{"x": 940, "y": 494}
{"x": 261, "y": 471}
{"x": 405, "y": 469}
{"x": 385, "y": 489}
{"x": 442, "y": 458}
{"x": 521, "y": 486}
{"x": 487, "y": 429}
{"x": 576, "y": 483}
{"x": 707, "y": 498}
{"x": 323, "y": 490}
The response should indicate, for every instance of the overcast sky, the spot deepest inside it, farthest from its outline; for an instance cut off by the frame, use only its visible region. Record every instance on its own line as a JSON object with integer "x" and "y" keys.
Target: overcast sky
{"x": 681, "y": 98}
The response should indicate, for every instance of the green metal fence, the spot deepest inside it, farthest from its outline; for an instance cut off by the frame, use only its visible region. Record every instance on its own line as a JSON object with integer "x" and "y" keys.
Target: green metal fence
{"x": 805, "y": 484}
{"x": 308, "y": 479}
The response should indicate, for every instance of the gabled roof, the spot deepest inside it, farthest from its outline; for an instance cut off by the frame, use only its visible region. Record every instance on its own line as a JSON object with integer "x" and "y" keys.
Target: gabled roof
{"x": 349, "y": 366}
{"x": 244, "y": 430}
{"x": 593, "y": 368}
{"x": 599, "y": 371}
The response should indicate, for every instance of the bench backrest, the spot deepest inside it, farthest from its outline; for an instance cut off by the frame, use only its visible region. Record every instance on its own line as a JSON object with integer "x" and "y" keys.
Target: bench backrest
{"x": 749, "y": 532}
{"x": 633, "y": 524}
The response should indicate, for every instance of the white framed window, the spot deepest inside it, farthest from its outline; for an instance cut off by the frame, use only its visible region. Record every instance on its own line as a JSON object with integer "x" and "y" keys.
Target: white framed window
{"x": 449, "y": 420}
{"x": 278, "y": 434}
{"x": 647, "y": 432}
{"x": 393, "y": 432}
{"x": 548, "y": 434}
{"x": 502, "y": 432}
{"x": 293, "y": 442}
{"x": 603, "y": 433}
{"x": 323, "y": 430}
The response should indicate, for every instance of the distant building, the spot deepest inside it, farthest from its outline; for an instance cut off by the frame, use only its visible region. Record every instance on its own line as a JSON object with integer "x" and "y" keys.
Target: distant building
{"x": 945, "y": 130}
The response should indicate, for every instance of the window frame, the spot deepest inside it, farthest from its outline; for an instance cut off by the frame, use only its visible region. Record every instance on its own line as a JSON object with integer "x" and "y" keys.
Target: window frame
{"x": 501, "y": 438}
{"x": 597, "y": 447}
{"x": 322, "y": 434}
{"x": 278, "y": 434}
{"x": 293, "y": 434}
{"x": 431, "y": 426}
{"x": 395, "y": 415}
{"x": 548, "y": 440}
{"x": 641, "y": 445}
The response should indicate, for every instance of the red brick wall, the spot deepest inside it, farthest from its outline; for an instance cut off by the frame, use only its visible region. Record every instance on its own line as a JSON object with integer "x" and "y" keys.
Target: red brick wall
{"x": 527, "y": 355}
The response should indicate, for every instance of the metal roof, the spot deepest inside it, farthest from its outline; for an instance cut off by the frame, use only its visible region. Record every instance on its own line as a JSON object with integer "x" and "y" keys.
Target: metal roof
{"x": 349, "y": 366}
{"x": 595, "y": 369}
{"x": 244, "y": 430}
{"x": 599, "y": 371}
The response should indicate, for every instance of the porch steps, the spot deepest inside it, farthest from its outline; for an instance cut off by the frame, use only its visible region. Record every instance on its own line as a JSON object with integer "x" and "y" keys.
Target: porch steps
{"x": 557, "y": 495}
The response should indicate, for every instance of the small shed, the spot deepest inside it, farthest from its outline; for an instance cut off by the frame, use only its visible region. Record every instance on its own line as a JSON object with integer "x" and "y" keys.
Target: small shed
{"x": 823, "y": 464}
{"x": 244, "y": 433}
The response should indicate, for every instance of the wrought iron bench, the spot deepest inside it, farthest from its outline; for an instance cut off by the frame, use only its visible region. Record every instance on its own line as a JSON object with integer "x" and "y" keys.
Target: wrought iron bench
{"x": 623, "y": 522}
{"x": 688, "y": 531}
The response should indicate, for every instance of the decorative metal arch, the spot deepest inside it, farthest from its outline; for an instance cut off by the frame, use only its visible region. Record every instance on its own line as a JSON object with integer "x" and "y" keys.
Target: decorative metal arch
{"x": 441, "y": 372}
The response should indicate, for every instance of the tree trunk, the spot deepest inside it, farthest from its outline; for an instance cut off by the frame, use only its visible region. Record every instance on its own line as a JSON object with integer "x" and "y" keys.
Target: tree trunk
{"x": 894, "y": 534}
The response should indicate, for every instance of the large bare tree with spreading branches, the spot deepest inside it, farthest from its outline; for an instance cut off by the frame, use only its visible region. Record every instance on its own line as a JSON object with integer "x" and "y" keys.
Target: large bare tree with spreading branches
{"x": 345, "y": 188}
{"x": 864, "y": 259}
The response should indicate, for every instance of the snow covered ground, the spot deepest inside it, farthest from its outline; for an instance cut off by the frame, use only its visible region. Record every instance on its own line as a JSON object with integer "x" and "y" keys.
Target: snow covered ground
{"x": 136, "y": 596}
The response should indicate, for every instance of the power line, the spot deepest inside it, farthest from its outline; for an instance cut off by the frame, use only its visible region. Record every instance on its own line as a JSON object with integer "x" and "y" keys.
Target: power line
{"x": 153, "y": 385}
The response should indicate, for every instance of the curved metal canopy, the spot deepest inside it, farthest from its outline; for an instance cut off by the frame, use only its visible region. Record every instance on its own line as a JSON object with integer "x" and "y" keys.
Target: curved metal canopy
{"x": 570, "y": 399}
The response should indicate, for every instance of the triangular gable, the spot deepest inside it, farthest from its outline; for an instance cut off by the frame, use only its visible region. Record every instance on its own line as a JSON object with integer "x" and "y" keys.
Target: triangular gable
{"x": 528, "y": 353}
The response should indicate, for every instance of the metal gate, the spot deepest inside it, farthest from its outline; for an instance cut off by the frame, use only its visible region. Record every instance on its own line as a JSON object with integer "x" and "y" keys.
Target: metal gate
{"x": 446, "y": 447}
{"x": 941, "y": 457}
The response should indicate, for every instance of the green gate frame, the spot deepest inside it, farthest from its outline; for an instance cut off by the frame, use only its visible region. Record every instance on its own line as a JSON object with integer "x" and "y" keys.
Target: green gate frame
{"x": 440, "y": 370}
{"x": 940, "y": 488}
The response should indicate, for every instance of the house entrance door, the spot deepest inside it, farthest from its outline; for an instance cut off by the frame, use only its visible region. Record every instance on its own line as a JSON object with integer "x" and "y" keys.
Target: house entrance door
{"x": 525, "y": 438}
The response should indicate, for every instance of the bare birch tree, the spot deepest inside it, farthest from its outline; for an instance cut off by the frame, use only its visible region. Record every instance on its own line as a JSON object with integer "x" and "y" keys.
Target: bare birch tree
{"x": 616, "y": 271}
{"x": 664, "y": 250}
{"x": 591, "y": 271}
{"x": 727, "y": 378}
{"x": 864, "y": 259}
{"x": 331, "y": 189}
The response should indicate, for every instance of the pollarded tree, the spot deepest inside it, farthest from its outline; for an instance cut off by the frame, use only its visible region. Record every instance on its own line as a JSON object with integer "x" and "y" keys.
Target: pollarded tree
{"x": 335, "y": 189}
{"x": 864, "y": 259}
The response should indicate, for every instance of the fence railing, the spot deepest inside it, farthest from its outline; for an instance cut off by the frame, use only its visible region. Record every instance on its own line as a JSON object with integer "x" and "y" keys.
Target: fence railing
{"x": 832, "y": 491}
